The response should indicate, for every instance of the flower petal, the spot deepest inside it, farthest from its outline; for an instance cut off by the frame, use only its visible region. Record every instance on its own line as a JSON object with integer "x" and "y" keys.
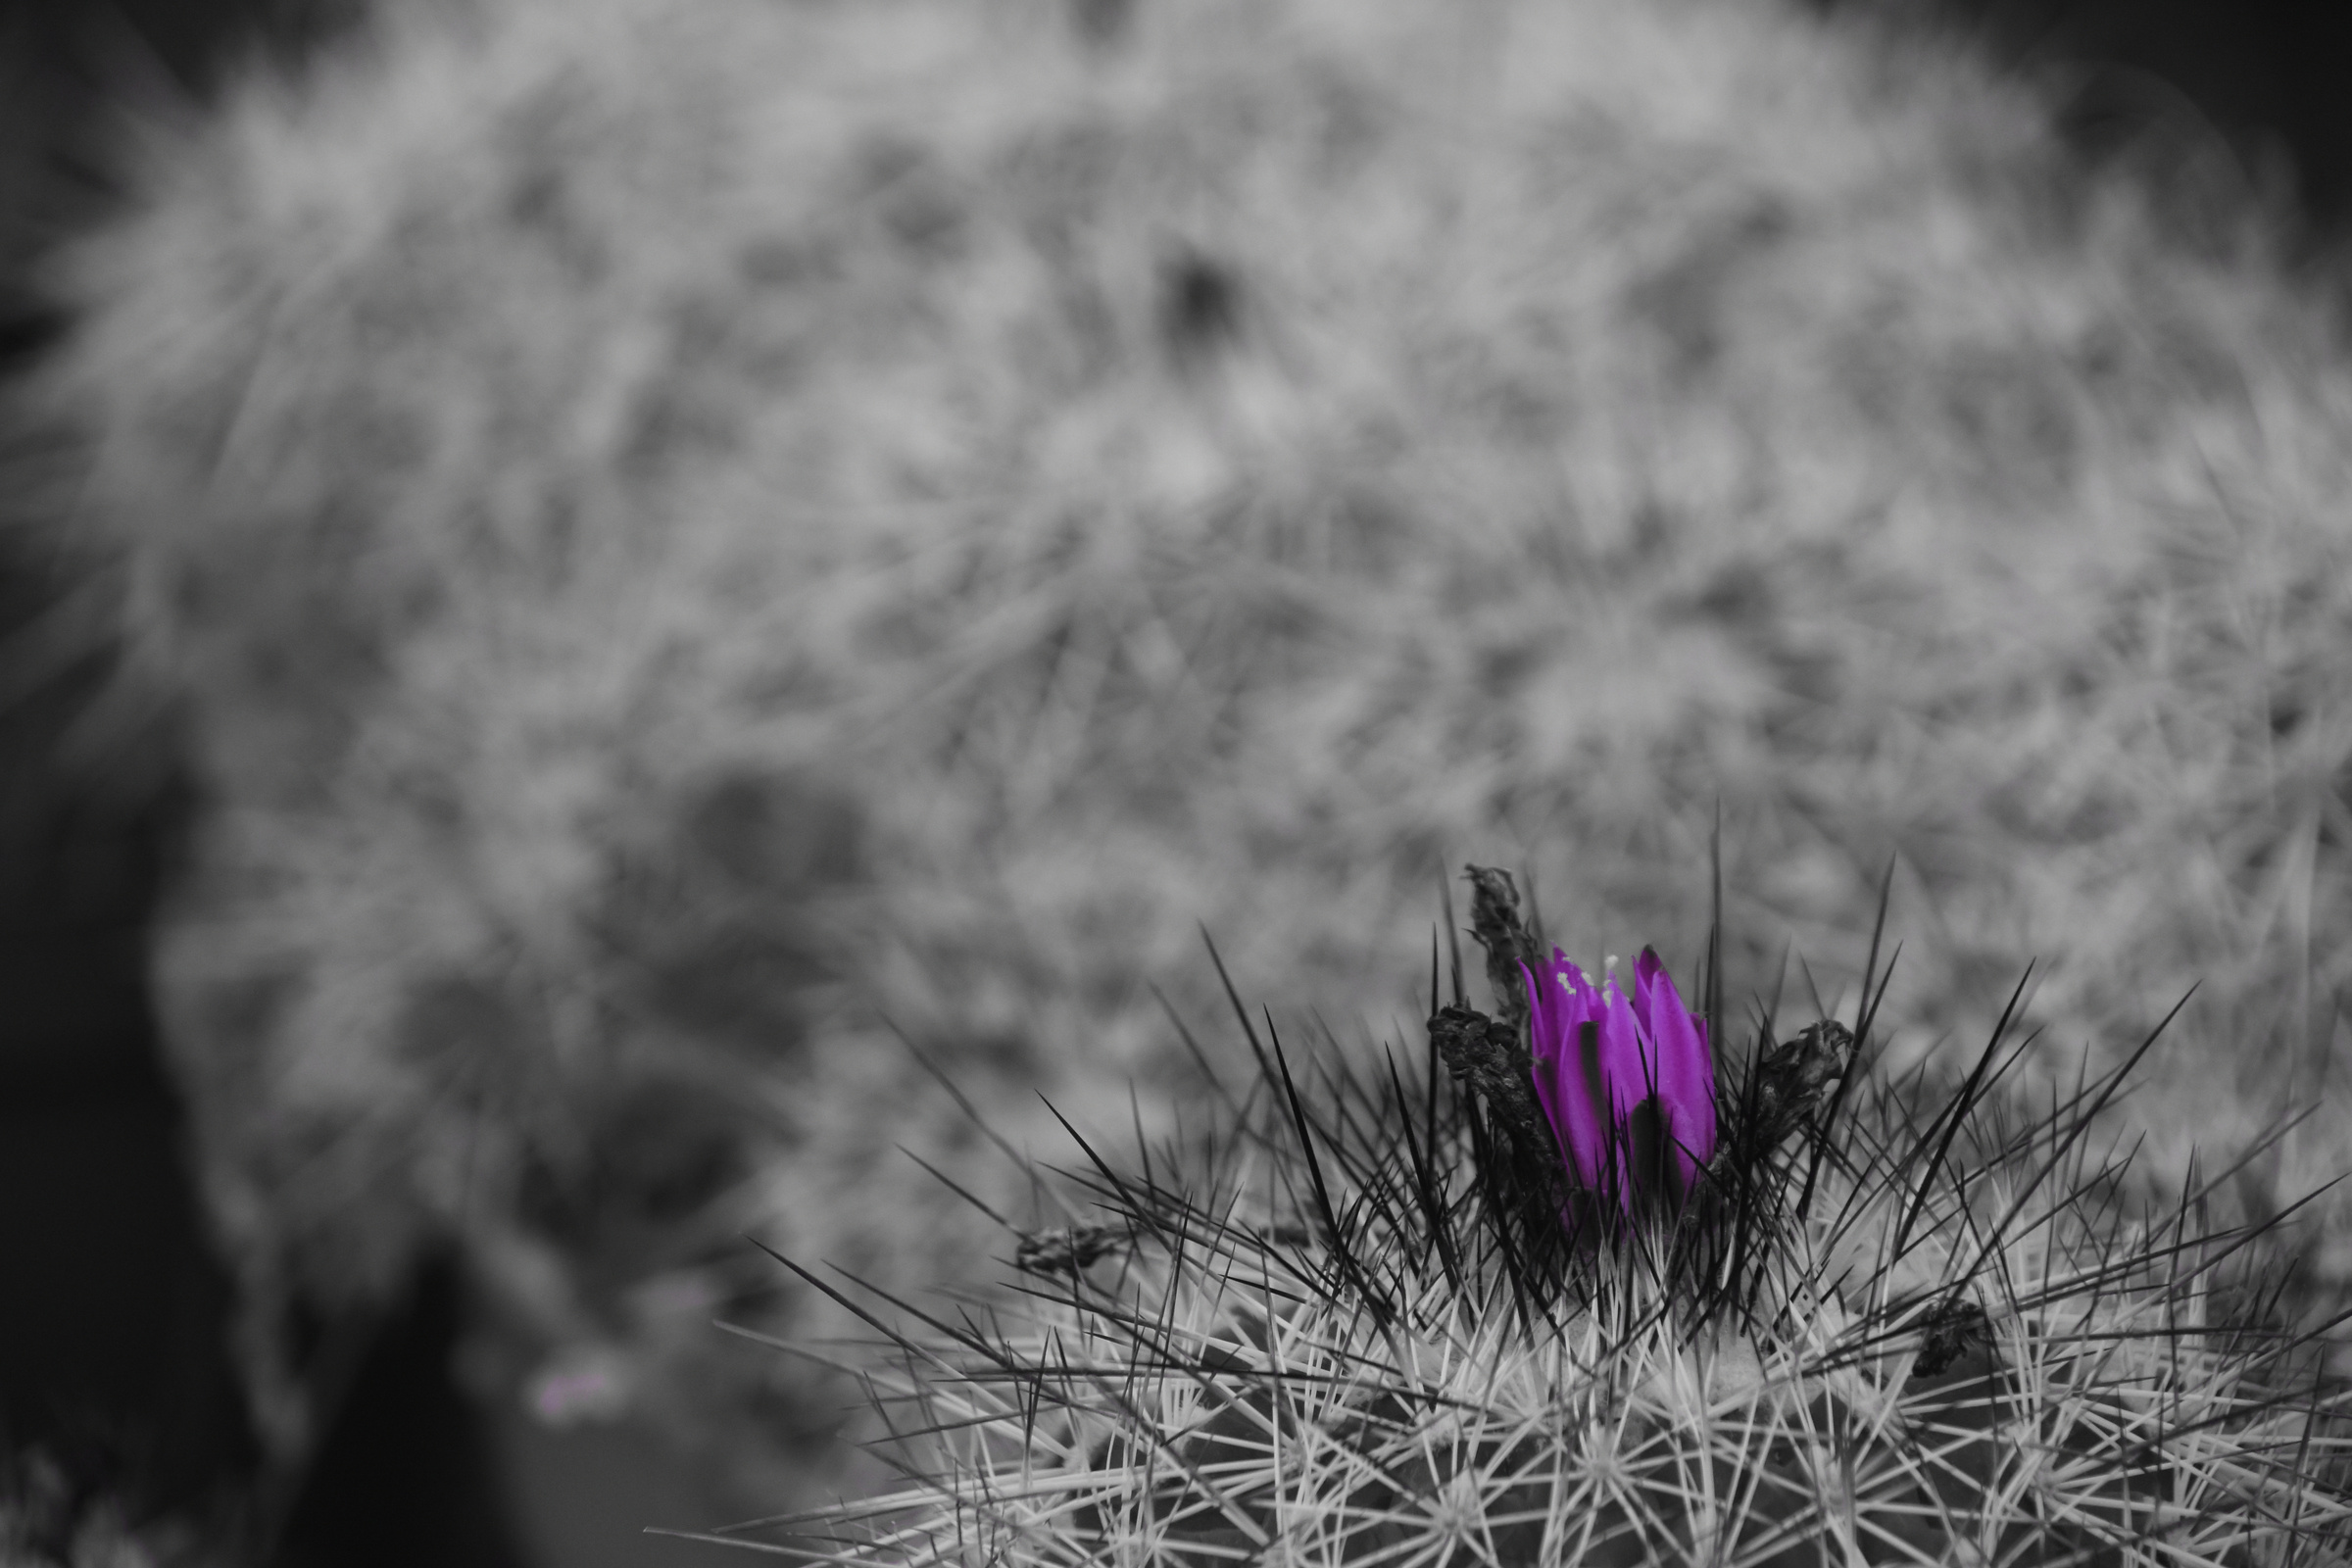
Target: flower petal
{"x": 1686, "y": 1070}
{"x": 1647, "y": 970}
{"x": 1560, "y": 1017}
{"x": 1626, "y": 1071}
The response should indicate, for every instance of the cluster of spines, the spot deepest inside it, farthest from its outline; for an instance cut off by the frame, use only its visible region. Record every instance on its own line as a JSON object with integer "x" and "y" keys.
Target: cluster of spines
{"x": 1889, "y": 1326}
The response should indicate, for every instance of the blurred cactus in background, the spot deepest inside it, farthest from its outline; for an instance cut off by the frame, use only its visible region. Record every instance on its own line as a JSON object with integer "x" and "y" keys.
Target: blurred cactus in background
{"x": 1892, "y": 1325}
{"x": 705, "y": 553}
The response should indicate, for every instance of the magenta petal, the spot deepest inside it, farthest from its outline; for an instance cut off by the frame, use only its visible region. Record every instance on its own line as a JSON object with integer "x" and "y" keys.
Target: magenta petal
{"x": 1624, "y": 1057}
{"x": 1624, "y": 1071}
{"x": 1686, "y": 1074}
{"x": 1558, "y": 1017}
{"x": 1555, "y": 1009}
{"x": 1647, "y": 970}
{"x": 1584, "y": 1125}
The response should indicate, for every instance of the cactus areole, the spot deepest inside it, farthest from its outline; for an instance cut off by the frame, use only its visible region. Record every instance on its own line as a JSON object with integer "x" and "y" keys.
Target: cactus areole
{"x": 1627, "y": 1084}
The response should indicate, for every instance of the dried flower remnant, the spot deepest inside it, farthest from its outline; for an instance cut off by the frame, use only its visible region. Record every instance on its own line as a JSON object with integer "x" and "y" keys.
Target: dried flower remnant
{"x": 1627, "y": 1083}
{"x": 1509, "y": 946}
{"x": 1487, "y": 1058}
{"x": 1792, "y": 1087}
{"x": 1954, "y": 1328}
{"x": 1066, "y": 1247}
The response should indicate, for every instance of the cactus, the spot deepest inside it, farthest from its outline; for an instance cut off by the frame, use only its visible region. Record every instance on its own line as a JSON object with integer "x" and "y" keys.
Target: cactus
{"x": 1891, "y": 1323}
{"x": 674, "y": 541}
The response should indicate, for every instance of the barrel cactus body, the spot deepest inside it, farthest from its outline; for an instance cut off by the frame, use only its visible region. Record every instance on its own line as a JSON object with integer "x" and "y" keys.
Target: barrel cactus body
{"x": 1888, "y": 1326}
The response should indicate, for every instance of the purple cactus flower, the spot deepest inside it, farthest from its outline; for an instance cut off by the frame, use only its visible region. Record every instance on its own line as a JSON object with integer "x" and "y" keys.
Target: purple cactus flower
{"x": 1613, "y": 1074}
